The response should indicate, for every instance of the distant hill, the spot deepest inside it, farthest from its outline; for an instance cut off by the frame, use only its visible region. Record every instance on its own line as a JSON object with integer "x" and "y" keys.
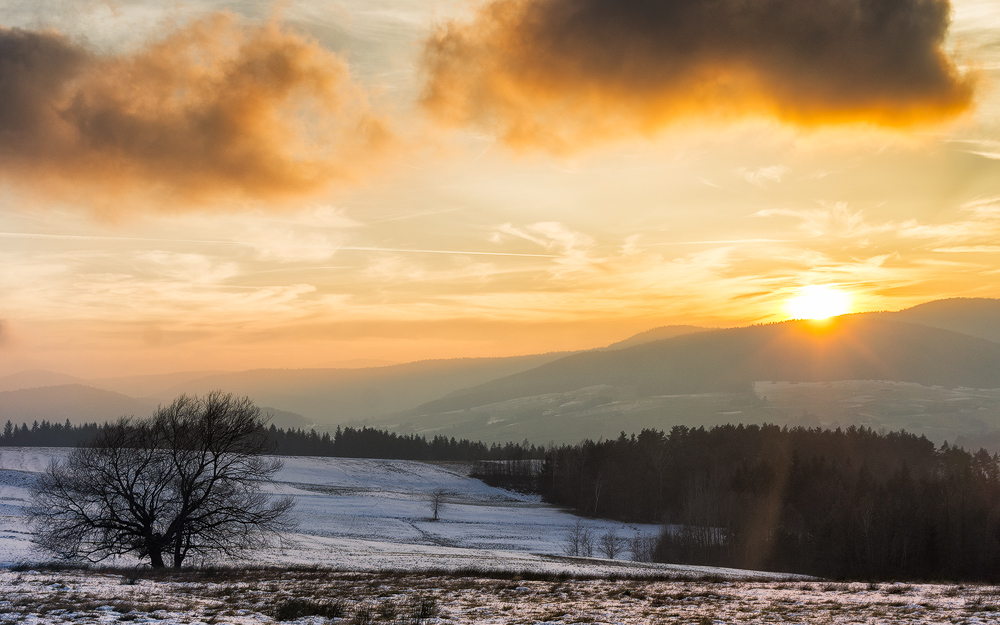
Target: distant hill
{"x": 154, "y": 386}
{"x": 707, "y": 378}
{"x": 85, "y": 404}
{"x": 656, "y": 334}
{"x": 286, "y": 420}
{"x": 297, "y": 398}
{"x": 162, "y": 385}
{"x": 844, "y": 348}
{"x": 331, "y": 396}
{"x": 35, "y": 379}
{"x": 979, "y": 317}
{"x": 76, "y": 402}
{"x": 667, "y": 375}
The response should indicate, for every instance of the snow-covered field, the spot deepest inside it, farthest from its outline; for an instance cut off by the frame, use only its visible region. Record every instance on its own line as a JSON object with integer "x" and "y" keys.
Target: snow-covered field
{"x": 366, "y": 552}
{"x": 367, "y": 515}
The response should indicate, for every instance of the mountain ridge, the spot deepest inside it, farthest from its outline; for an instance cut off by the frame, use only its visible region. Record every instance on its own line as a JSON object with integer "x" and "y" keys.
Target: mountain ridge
{"x": 695, "y": 357}
{"x": 974, "y": 316}
{"x": 77, "y": 402}
{"x": 680, "y": 360}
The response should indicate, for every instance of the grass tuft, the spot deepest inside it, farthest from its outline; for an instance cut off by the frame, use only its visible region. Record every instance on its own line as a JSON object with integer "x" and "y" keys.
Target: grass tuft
{"x": 296, "y": 608}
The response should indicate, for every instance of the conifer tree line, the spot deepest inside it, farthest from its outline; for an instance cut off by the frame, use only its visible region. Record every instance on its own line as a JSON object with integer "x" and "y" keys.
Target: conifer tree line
{"x": 853, "y": 504}
{"x": 345, "y": 442}
{"x": 46, "y": 434}
{"x": 366, "y": 442}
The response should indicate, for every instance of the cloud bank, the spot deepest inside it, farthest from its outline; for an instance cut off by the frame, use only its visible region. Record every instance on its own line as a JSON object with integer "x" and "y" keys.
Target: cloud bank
{"x": 215, "y": 110}
{"x": 558, "y": 74}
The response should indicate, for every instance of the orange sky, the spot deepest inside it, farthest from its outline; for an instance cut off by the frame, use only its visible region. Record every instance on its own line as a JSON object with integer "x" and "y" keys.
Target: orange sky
{"x": 304, "y": 202}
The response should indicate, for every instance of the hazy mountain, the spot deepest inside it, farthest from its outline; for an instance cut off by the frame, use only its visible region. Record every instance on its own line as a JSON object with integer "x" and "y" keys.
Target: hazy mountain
{"x": 656, "y": 334}
{"x": 978, "y": 317}
{"x": 284, "y": 419}
{"x": 990, "y": 441}
{"x": 846, "y": 348}
{"x": 330, "y": 396}
{"x": 360, "y": 363}
{"x": 86, "y": 404}
{"x": 149, "y": 385}
{"x": 35, "y": 379}
{"x": 297, "y": 398}
{"x": 76, "y": 402}
{"x": 707, "y": 378}
{"x": 664, "y": 376}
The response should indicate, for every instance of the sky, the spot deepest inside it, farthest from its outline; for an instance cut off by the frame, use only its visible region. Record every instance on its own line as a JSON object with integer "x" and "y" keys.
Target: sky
{"x": 215, "y": 185}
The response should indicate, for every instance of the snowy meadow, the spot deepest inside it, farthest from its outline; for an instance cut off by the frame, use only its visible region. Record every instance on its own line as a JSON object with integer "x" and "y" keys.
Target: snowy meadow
{"x": 366, "y": 515}
{"x": 367, "y": 551}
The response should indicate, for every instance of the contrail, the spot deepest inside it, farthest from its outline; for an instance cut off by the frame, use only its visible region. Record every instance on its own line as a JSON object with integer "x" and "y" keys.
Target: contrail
{"x": 352, "y": 248}
{"x": 393, "y": 249}
{"x": 718, "y": 242}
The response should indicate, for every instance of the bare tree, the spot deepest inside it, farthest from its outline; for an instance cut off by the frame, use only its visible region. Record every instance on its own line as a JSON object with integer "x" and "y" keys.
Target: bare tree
{"x": 579, "y": 540}
{"x": 187, "y": 481}
{"x": 611, "y": 544}
{"x": 641, "y": 546}
{"x": 436, "y": 500}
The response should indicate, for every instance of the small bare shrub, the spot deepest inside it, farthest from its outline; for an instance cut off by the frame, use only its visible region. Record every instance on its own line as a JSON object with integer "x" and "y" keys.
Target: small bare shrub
{"x": 572, "y": 546}
{"x": 436, "y": 500}
{"x": 579, "y": 540}
{"x": 641, "y": 546}
{"x": 422, "y": 608}
{"x": 363, "y": 615}
{"x": 296, "y": 608}
{"x": 610, "y": 544}
{"x": 388, "y": 609}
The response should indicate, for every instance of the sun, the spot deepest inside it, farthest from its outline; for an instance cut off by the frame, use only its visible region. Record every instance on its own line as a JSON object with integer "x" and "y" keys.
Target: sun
{"x": 819, "y": 301}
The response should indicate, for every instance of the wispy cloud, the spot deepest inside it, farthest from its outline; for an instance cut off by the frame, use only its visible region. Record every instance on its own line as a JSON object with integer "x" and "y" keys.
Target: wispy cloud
{"x": 979, "y": 222}
{"x": 836, "y": 220}
{"x": 981, "y": 147}
{"x": 762, "y": 176}
{"x": 318, "y": 249}
{"x": 969, "y": 249}
{"x": 573, "y": 250}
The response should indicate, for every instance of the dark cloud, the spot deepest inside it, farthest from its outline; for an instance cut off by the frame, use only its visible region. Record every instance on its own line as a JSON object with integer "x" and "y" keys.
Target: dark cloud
{"x": 217, "y": 109}
{"x": 558, "y": 73}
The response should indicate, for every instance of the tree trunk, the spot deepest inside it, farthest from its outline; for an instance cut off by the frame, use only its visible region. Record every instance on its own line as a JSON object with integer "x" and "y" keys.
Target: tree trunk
{"x": 156, "y": 559}
{"x": 179, "y": 551}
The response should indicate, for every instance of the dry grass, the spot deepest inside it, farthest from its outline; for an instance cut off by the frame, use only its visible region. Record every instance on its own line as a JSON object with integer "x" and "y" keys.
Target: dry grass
{"x": 244, "y": 597}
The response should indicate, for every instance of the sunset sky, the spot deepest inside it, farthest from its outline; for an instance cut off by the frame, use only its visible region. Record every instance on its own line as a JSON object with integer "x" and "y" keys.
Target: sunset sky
{"x": 231, "y": 185}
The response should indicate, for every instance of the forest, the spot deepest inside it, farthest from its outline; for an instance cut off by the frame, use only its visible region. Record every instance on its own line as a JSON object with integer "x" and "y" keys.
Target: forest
{"x": 851, "y": 503}
{"x": 848, "y": 503}
{"x": 345, "y": 442}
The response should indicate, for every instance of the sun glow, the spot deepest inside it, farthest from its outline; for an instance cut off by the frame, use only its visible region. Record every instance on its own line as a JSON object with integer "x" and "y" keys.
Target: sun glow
{"x": 819, "y": 301}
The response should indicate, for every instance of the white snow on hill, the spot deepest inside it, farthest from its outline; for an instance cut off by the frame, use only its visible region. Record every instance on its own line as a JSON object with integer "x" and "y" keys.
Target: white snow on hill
{"x": 375, "y": 515}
